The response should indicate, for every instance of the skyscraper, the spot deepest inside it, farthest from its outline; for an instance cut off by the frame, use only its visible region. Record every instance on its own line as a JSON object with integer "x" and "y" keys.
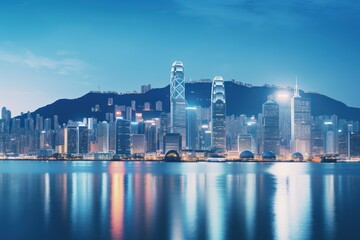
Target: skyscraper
{"x": 191, "y": 128}
{"x": 270, "y": 127}
{"x": 103, "y": 137}
{"x": 72, "y": 139}
{"x": 83, "y": 132}
{"x": 162, "y": 130}
{"x": 177, "y": 100}
{"x": 300, "y": 124}
{"x": 123, "y": 137}
{"x": 218, "y": 114}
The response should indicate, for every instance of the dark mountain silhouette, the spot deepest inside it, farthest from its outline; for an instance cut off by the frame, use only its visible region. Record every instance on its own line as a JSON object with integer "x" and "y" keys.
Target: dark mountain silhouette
{"x": 240, "y": 100}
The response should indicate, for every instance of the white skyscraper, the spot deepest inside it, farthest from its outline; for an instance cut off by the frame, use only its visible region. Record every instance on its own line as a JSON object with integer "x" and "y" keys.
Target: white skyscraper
{"x": 218, "y": 114}
{"x": 177, "y": 101}
{"x": 300, "y": 123}
{"x": 103, "y": 137}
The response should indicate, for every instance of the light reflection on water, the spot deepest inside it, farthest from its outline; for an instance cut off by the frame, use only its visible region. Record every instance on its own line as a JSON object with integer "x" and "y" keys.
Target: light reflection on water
{"x": 142, "y": 200}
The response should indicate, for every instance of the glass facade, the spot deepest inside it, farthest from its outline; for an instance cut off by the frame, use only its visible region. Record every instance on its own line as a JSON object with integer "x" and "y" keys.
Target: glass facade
{"x": 177, "y": 100}
{"x": 218, "y": 114}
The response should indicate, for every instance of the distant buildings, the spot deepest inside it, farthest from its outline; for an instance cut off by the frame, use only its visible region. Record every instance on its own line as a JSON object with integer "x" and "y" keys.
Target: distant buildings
{"x": 145, "y": 88}
{"x": 143, "y": 129}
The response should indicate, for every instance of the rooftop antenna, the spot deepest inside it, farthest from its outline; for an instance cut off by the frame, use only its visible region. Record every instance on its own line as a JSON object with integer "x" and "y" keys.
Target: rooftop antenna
{"x": 296, "y": 89}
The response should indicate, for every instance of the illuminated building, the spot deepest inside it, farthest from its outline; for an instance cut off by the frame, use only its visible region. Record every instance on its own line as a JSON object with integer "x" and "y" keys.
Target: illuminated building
{"x": 123, "y": 137}
{"x": 172, "y": 141}
{"x": 177, "y": 101}
{"x": 244, "y": 142}
{"x": 191, "y": 128}
{"x": 103, "y": 137}
{"x": 300, "y": 124}
{"x": 112, "y": 136}
{"x": 354, "y": 138}
{"x": 270, "y": 127}
{"x": 138, "y": 145}
{"x": 72, "y": 139}
{"x": 162, "y": 130}
{"x": 83, "y": 139}
{"x": 150, "y": 133}
{"x": 218, "y": 114}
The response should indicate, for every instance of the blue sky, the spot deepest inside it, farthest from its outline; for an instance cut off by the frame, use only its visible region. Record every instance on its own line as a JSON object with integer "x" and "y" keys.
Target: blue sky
{"x": 65, "y": 48}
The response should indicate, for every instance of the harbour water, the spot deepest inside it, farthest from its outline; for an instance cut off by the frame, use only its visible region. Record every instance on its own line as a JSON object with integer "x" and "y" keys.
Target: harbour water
{"x": 159, "y": 200}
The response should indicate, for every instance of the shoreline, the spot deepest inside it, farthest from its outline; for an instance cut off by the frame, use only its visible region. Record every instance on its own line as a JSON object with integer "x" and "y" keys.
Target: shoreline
{"x": 156, "y": 160}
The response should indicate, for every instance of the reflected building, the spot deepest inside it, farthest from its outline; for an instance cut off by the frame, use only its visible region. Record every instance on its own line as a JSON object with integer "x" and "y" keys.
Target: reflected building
{"x": 218, "y": 115}
{"x": 300, "y": 124}
{"x": 177, "y": 100}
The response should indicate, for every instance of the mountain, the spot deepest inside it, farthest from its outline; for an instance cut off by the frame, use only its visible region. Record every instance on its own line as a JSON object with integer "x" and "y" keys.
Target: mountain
{"x": 240, "y": 100}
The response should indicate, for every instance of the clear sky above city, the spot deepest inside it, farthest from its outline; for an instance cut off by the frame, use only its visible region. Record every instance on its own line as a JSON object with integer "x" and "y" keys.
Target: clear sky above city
{"x": 65, "y": 48}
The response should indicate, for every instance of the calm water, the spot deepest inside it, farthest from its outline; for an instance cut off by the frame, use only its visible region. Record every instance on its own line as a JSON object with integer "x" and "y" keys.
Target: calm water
{"x": 147, "y": 200}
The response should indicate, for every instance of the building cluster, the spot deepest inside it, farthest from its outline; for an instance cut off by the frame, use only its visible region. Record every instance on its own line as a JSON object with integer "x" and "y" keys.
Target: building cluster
{"x": 285, "y": 129}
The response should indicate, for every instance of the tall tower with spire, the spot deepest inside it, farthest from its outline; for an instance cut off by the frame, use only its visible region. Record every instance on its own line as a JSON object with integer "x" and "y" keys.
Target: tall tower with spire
{"x": 177, "y": 101}
{"x": 218, "y": 115}
{"x": 300, "y": 123}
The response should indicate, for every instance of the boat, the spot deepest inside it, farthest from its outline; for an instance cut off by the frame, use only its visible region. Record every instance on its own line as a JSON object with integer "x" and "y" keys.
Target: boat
{"x": 326, "y": 158}
{"x": 216, "y": 158}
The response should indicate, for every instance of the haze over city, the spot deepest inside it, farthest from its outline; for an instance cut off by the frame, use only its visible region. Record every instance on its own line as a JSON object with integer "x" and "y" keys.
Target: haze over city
{"x": 64, "y": 49}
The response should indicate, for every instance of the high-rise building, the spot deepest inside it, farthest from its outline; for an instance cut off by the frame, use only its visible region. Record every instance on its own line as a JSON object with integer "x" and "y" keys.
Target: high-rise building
{"x": 205, "y": 137}
{"x": 300, "y": 124}
{"x": 218, "y": 115}
{"x": 83, "y": 132}
{"x": 112, "y": 136}
{"x": 162, "y": 130}
{"x": 103, "y": 137}
{"x": 138, "y": 145}
{"x": 329, "y": 135}
{"x": 354, "y": 139}
{"x": 177, "y": 100}
{"x": 317, "y": 136}
{"x": 151, "y": 141}
{"x": 72, "y": 139}
{"x": 191, "y": 128}
{"x": 270, "y": 127}
{"x": 284, "y": 101}
{"x": 123, "y": 137}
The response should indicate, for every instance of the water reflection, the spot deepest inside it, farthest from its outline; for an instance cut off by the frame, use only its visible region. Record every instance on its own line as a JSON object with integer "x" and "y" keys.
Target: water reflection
{"x": 117, "y": 200}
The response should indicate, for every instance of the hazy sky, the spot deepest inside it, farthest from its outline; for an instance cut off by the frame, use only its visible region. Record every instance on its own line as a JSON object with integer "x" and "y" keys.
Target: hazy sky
{"x": 65, "y": 48}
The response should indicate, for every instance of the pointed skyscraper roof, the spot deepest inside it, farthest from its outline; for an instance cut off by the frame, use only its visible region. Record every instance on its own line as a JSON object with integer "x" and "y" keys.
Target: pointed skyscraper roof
{"x": 296, "y": 89}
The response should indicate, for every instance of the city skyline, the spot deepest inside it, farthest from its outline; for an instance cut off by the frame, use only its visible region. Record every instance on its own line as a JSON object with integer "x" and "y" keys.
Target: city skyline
{"x": 75, "y": 48}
